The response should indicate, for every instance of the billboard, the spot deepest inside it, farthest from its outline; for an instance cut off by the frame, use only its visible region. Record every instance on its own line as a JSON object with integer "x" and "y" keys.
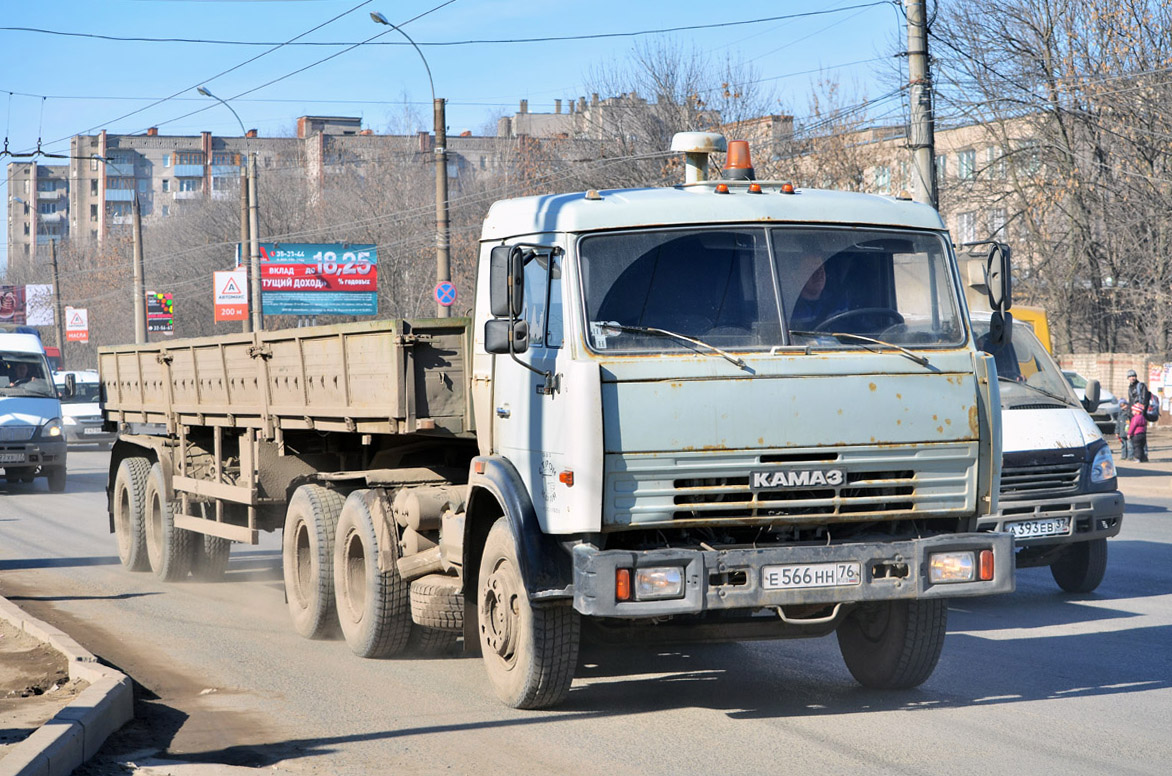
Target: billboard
{"x": 12, "y": 305}
{"x": 160, "y": 312}
{"x": 231, "y": 295}
{"x": 319, "y": 279}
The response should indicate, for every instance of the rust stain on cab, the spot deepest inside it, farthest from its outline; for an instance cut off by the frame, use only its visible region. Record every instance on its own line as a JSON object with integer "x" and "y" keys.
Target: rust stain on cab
{"x": 974, "y": 422}
{"x": 873, "y": 386}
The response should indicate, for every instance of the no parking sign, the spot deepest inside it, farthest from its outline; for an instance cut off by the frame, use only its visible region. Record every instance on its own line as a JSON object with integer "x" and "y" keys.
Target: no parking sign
{"x": 445, "y": 293}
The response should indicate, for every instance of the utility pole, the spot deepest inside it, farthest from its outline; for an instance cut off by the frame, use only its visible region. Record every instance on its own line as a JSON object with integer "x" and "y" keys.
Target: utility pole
{"x": 923, "y": 142}
{"x": 258, "y": 320}
{"x": 59, "y": 317}
{"x": 246, "y": 324}
{"x": 443, "y": 261}
{"x": 139, "y": 300}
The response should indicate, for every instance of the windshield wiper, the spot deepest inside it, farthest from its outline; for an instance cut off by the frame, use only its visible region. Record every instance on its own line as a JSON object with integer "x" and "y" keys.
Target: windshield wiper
{"x": 921, "y": 360}
{"x": 1003, "y": 378}
{"x": 675, "y": 335}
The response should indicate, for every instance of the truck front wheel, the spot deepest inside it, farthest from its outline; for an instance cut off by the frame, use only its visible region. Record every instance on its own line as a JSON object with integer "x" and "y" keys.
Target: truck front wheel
{"x": 168, "y": 547}
{"x": 1081, "y": 566}
{"x": 530, "y": 651}
{"x": 373, "y": 609}
{"x": 307, "y": 559}
{"x": 130, "y": 512}
{"x": 893, "y": 645}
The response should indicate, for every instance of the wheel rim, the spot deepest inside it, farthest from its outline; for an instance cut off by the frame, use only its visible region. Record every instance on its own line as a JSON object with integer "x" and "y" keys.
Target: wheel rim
{"x": 354, "y": 576}
{"x": 501, "y": 605}
{"x": 303, "y": 563}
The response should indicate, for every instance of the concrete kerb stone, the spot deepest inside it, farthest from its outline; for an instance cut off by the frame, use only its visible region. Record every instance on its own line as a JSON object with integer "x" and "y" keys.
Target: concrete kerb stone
{"x": 76, "y": 732}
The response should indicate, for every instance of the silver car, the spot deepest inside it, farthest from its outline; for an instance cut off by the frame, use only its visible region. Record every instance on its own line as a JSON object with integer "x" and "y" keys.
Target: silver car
{"x": 1109, "y": 405}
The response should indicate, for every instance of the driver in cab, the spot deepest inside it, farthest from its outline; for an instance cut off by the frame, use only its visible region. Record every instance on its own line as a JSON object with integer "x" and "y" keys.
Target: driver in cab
{"x": 816, "y": 303}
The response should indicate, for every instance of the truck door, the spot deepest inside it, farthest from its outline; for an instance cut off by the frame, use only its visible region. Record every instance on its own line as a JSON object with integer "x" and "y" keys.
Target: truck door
{"x": 550, "y": 428}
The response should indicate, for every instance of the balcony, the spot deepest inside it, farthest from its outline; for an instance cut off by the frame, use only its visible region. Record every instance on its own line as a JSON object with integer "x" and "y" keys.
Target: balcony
{"x": 49, "y": 196}
{"x": 226, "y": 169}
{"x": 122, "y": 169}
{"x": 188, "y": 171}
{"x": 188, "y": 194}
{"x": 119, "y": 195}
{"x": 53, "y": 218}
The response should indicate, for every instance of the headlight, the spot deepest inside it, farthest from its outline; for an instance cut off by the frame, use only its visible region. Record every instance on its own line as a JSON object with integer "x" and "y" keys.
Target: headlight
{"x": 51, "y": 429}
{"x": 70, "y": 420}
{"x": 952, "y": 567}
{"x": 1103, "y": 467}
{"x": 658, "y": 583}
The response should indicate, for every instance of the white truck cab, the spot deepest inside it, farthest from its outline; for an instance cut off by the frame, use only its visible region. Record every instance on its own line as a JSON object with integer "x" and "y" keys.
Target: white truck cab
{"x": 32, "y": 442}
{"x": 82, "y": 409}
{"x": 1059, "y": 493}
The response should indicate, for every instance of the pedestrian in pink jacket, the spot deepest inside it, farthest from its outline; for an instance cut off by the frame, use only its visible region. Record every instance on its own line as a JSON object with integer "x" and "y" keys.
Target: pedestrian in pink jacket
{"x": 1138, "y": 431}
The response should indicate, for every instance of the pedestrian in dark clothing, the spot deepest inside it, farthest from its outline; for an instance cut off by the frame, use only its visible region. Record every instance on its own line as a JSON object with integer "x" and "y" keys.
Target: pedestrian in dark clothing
{"x": 1122, "y": 421}
{"x": 1137, "y": 392}
{"x": 1138, "y": 431}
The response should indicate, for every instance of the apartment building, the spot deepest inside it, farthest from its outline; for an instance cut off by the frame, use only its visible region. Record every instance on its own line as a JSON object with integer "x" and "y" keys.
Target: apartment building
{"x": 38, "y": 206}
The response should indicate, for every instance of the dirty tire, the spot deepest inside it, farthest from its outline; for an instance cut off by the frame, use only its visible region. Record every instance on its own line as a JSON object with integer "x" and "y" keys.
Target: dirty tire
{"x": 56, "y": 477}
{"x": 307, "y": 559}
{"x": 130, "y": 512}
{"x": 209, "y": 558}
{"x": 168, "y": 547}
{"x": 893, "y": 645}
{"x": 429, "y": 642}
{"x": 373, "y": 607}
{"x": 530, "y": 652}
{"x": 437, "y": 602}
{"x": 1081, "y": 566}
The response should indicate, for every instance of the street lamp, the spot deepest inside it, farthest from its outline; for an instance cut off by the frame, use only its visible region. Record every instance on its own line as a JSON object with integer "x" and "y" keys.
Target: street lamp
{"x": 443, "y": 264}
{"x": 248, "y": 228}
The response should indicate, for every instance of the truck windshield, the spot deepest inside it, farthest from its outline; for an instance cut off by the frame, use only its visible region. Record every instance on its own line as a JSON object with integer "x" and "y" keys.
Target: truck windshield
{"x": 722, "y": 285}
{"x": 23, "y": 374}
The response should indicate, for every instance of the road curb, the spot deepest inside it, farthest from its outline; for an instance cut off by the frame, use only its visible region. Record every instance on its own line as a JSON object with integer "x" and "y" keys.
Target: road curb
{"x": 76, "y": 732}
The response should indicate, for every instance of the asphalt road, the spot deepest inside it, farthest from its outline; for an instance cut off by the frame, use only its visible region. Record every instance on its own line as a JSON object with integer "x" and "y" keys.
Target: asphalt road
{"x": 1034, "y": 682}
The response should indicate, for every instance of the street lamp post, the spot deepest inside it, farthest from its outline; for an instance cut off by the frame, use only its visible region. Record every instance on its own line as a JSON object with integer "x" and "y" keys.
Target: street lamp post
{"x": 443, "y": 263}
{"x": 248, "y": 221}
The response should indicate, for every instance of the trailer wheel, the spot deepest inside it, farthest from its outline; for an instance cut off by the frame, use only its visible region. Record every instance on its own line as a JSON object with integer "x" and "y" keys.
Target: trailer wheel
{"x": 1081, "y": 566}
{"x": 56, "y": 477}
{"x": 130, "y": 512}
{"x": 436, "y": 602}
{"x": 168, "y": 547}
{"x": 530, "y": 651}
{"x": 307, "y": 559}
{"x": 373, "y": 609}
{"x": 893, "y": 645}
{"x": 209, "y": 558}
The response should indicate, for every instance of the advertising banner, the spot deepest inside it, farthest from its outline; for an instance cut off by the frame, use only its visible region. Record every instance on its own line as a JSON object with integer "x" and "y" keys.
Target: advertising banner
{"x": 319, "y": 279}
{"x": 231, "y": 292}
{"x": 38, "y": 303}
{"x": 160, "y": 312}
{"x": 12, "y": 305}
{"x": 77, "y": 324}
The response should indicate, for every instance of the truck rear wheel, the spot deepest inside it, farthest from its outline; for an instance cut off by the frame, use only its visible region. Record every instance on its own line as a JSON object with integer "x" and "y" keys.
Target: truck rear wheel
{"x": 1081, "y": 566}
{"x": 530, "y": 652}
{"x": 373, "y": 609}
{"x": 893, "y": 645}
{"x": 130, "y": 511}
{"x": 307, "y": 559}
{"x": 209, "y": 558}
{"x": 168, "y": 547}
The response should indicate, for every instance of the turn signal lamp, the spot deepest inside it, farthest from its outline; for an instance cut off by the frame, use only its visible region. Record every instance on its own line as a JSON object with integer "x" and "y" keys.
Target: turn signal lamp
{"x": 566, "y": 478}
{"x": 622, "y": 585}
{"x": 946, "y": 567}
{"x": 985, "y": 566}
{"x": 737, "y": 165}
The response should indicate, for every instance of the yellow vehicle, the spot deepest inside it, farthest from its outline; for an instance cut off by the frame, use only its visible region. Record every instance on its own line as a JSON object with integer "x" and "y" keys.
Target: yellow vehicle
{"x": 1036, "y": 318}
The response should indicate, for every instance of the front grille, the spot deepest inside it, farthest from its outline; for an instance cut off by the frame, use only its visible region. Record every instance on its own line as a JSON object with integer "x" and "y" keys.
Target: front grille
{"x": 1034, "y": 480}
{"x": 707, "y": 488}
{"x": 17, "y": 433}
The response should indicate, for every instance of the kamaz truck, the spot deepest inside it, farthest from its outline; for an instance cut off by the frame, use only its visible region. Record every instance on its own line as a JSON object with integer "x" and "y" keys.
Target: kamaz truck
{"x": 721, "y": 410}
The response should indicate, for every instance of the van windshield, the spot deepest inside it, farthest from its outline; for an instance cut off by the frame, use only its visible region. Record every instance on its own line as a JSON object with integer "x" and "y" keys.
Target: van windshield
{"x": 85, "y": 393}
{"x": 24, "y": 374}
{"x": 1023, "y": 364}
{"x": 754, "y": 288}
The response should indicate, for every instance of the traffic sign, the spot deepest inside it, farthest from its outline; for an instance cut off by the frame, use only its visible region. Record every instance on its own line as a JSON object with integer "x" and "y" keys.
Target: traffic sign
{"x": 445, "y": 293}
{"x": 77, "y": 324}
{"x": 231, "y": 289}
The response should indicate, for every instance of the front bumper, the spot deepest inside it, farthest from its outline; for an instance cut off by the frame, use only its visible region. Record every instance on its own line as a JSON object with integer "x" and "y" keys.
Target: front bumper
{"x": 1093, "y": 516}
{"x": 29, "y": 455}
{"x": 89, "y": 435}
{"x": 732, "y": 579}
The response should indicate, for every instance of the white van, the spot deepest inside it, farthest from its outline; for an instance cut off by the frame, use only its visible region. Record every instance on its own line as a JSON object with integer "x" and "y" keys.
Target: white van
{"x": 1059, "y": 494}
{"x": 82, "y": 410}
{"x": 32, "y": 440}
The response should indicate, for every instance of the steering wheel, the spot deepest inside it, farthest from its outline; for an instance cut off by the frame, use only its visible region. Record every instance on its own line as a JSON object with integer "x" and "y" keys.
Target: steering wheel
{"x": 885, "y": 312}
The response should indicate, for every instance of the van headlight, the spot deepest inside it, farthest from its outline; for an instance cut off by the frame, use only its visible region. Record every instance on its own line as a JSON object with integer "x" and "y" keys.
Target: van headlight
{"x": 52, "y": 429}
{"x": 1103, "y": 466}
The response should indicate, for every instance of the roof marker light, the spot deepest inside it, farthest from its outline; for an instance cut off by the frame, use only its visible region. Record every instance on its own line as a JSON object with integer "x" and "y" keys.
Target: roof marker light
{"x": 754, "y": 188}
{"x": 722, "y": 188}
{"x": 787, "y": 188}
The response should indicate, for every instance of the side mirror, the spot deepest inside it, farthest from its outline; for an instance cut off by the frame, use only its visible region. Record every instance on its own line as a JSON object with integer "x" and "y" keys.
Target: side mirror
{"x": 1093, "y": 392}
{"x": 70, "y": 385}
{"x": 506, "y": 281}
{"x": 503, "y": 336}
{"x": 998, "y": 278}
{"x": 1000, "y": 329}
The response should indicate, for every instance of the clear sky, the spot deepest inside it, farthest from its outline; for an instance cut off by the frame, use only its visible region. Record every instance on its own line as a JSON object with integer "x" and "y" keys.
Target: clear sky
{"x": 53, "y": 86}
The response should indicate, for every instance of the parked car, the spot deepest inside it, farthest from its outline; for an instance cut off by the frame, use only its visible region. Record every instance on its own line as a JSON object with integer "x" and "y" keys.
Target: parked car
{"x": 1109, "y": 404}
{"x": 82, "y": 412}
